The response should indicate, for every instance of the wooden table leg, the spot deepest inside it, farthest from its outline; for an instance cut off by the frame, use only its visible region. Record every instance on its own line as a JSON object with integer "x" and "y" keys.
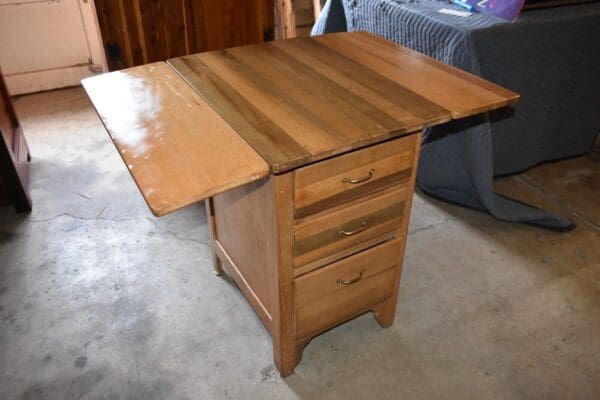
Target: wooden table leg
{"x": 210, "y": 218}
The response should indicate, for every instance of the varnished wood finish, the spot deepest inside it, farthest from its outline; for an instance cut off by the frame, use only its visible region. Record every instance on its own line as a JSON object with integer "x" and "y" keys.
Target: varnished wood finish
{"x": 252, "y": 237}
{"x": 244, "y": 227}
{"x": 260, "y": 244}
{"x": 321, "y": 239}
{"x": 323, "y": 185}
{"x": 454, "y": 89}
{"x": 287, "y": 350}
{"x": 137, "y": 32}
{"x": 386, "y": 311}
{"x": 178, "y": 150}
{"x": 303, "y": 100}
{"x": 334, "y": 293}
{"x": 239, "y": 278}
{"x": 14, "y": 156}
{"x": 210, "y": 220}
{"x": 337, "y": 231}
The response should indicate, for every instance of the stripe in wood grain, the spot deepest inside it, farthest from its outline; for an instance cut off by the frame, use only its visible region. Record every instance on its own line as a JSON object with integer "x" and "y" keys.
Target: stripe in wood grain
{"x": 301, "y": 101}
{"x": 474, "y": 79}
{"x": 409, "y": 108}
{"x": 250, "y": 123}
{"x": 278, "y": 105}
{"x": 354, "y": 193}
{"x": 354, "y": 116}
{"x": 390, "y": 216}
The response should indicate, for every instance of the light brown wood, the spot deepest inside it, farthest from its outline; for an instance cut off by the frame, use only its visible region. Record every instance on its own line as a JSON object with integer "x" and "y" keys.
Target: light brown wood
{"x": 210, "y": 220}
{"x": 240, "y": 279}
{"x": 321, "y": 238}
{"x": 244, "y": 227}
{"x": 386, "y": 311}
{"x": 178, "y": 150}
{"x": 257, "y": 240}
{"x": 357, "y": 248}
{"x": 338, "y": 231}
{"x": 454, "y": 89}
{"x": 285, "y": 20}
{"x": 332, "y": 294}
{"x": 252, "y": 238}
{"x": 323, "y": 185}
{"x": 287, "y": 350}
{"x": 303, "y": 100}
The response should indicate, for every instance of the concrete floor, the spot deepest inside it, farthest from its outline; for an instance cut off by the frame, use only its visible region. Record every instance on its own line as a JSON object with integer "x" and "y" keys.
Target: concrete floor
{"x": 99, "y": 300}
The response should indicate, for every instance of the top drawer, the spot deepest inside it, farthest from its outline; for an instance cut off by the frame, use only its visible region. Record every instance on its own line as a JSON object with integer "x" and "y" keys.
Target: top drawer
{"x": 340, "y": 179}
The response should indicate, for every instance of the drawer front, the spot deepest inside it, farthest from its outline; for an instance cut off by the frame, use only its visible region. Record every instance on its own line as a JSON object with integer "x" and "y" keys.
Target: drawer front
{"x": 340, "y": 179}
{"x": 336, "y": 232}
{"x": 339, "y": 291}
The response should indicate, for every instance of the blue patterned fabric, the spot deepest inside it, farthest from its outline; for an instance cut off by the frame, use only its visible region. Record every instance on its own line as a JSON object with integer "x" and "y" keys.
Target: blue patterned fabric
{"x": 550, "y": 56}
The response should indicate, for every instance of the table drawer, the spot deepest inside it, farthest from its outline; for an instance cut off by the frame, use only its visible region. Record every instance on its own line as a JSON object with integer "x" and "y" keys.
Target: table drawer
{"x": 339, "y": 291}
{"x": 340, "y": 179}
{"x": 324, "y": 236}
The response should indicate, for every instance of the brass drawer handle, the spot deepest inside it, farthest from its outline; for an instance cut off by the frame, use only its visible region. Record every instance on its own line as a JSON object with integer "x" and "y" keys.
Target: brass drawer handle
{"x": 363, "y": 226}
{"x": 351, "y": 281}
{"x": 361, "y": 179}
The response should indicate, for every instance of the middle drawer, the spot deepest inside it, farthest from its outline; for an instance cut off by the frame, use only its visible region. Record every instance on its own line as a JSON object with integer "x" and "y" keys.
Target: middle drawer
{"x": 324, "y": 237}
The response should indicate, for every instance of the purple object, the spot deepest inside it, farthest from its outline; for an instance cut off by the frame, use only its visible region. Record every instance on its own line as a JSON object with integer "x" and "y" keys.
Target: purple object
{"x": 505, "y": 9}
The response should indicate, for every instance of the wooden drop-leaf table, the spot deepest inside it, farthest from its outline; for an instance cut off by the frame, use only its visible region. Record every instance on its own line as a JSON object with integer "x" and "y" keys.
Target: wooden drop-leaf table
{"x": 306, "y": 152}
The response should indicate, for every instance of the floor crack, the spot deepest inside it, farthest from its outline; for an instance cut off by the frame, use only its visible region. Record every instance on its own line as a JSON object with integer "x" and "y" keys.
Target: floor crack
{"x": 81, "y": 218}
{"x": 175, "y": 234}
{"x": 431, "y": 226}
{"x": 156, "y": 227}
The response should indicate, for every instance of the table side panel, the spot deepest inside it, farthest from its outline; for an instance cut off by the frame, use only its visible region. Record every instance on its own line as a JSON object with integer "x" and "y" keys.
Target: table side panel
{"x": 244, "y": 225}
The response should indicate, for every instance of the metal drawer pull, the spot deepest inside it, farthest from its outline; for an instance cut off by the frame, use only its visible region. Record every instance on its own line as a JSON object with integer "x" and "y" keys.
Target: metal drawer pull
{"x": 361, "y": 179}
{"x": 363, "y": 226}
{"x": 351, "y": 281}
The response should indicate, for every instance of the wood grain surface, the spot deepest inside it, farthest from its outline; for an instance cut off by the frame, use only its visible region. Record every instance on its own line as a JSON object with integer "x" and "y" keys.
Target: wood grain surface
{"x": 302, "y": 100}
{"x": 136, "y": 32}
{"x": 331, "y": 294}
{"x": 323, "y": 185}
{"x": 339, "y": 230}
{"x": 178, "y": 150}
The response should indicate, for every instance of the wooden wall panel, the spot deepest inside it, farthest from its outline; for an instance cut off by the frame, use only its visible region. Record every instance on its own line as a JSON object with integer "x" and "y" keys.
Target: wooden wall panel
{"x": 137, "y": 32}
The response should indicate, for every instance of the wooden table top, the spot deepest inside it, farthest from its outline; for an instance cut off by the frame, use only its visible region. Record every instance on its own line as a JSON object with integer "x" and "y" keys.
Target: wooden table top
{"x": 178, "y": 150}
{"x": 251, "y": 110}
{"x": 302, "y": 100}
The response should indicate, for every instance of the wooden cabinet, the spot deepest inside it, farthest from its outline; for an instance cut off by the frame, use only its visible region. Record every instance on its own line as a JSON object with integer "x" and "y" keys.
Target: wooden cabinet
{"x": 138, "y": 32}
{"x": 14, "y": 156}
{"x": 306, "y": 151}
{"x": 305, "y": 275}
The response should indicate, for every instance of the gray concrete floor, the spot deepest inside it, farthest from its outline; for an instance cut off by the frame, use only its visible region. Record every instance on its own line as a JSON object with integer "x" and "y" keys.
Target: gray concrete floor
{"x": 99, "y": 300}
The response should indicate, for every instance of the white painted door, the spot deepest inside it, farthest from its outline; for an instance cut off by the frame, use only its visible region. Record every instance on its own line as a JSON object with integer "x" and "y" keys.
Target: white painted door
{"x": 49, "y": 44}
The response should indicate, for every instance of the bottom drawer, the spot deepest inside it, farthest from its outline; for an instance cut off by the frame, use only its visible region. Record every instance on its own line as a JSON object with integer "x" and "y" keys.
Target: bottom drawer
{"x": 343, "y": 289}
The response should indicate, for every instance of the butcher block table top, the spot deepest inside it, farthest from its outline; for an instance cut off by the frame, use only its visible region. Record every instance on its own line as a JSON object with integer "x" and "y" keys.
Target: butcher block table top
{"x": 206, "y": 123}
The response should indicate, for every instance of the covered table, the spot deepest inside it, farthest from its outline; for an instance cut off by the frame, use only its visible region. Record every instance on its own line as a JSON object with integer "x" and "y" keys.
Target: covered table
{"x": 550, "y": 56}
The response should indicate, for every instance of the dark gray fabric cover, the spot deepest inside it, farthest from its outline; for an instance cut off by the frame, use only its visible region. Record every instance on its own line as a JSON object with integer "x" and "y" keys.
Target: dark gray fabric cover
{"x": 551, "y": 57}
